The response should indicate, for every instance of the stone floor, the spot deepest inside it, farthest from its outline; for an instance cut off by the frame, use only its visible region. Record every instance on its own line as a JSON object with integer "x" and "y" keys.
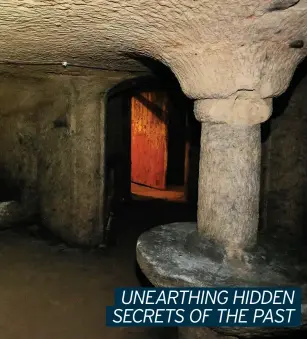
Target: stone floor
{"x": 49, "y": 291}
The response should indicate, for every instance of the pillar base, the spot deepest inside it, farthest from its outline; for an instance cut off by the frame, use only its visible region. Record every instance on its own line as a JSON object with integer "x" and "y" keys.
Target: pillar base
{"x": 174, "y": 255}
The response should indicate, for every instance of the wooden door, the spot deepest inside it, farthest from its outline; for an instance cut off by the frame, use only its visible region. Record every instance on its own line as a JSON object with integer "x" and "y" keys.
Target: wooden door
{"x": 149, "y": 139}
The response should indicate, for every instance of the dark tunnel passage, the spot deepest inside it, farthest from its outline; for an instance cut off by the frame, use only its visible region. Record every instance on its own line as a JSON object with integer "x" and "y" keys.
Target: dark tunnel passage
{"x": 153, "y": 156}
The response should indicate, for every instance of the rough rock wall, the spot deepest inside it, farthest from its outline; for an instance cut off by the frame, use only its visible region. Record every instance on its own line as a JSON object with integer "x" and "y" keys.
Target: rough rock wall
{"x": 286, "y": 160}
{"x": 52, "y": 147}
{"x": 21, "y": 100}
{"x": 71, "y": 160}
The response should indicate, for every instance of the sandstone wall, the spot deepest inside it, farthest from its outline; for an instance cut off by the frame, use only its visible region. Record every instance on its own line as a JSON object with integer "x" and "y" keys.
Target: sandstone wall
{"x": 52, "y": 141}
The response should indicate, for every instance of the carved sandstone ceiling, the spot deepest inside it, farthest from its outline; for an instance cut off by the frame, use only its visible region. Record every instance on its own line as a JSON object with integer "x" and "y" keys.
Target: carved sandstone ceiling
{"x": 106, "y": 33}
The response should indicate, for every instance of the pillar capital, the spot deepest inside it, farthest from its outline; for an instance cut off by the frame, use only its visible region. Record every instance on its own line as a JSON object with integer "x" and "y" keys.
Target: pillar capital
{"x": 241, "y": 108}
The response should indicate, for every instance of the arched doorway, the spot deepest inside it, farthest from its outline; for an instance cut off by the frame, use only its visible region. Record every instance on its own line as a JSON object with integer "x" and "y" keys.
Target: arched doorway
{"x": 148, "y": 150}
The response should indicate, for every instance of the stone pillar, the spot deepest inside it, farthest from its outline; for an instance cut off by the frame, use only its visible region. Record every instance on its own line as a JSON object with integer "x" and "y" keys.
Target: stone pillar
{"x": 229, "y": 169}
{"x": 232, "y": 80}
{"x": 228, "y": 190}
{"x": 229, "y": 181}
{"x": 222, "y": 249}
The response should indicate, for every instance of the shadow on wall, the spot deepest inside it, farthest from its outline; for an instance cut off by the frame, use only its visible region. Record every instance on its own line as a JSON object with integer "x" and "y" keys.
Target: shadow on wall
{"x": 281, "y": 103}
{"x": 284, "y": 166}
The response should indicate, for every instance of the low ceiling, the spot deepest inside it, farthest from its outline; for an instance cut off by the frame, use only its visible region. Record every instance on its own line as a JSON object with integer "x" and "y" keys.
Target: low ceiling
{"x": 114, "y": 34}
{"x": 103, "y": 33}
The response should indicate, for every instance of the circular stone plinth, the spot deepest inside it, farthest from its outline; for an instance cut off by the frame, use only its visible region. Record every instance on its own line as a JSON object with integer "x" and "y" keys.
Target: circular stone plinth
{"x": 174, "y": 255}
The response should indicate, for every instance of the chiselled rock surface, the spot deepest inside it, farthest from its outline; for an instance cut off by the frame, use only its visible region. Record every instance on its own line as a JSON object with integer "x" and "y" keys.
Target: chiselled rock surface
{"x": 215, "y": 48}
{"x": 229, "y": 168}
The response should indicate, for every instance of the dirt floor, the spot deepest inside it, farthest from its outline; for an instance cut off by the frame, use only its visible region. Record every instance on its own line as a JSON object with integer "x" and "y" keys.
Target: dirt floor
{"x": 50, "y": 291}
